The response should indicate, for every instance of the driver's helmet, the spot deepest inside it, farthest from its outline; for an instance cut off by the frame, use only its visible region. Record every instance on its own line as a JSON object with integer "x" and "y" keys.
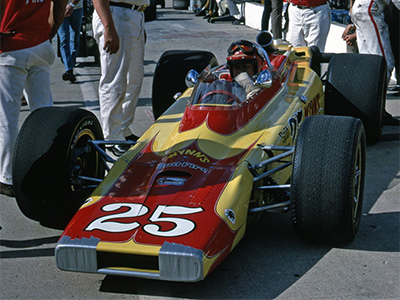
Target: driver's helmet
{"x": 244, "y": 51}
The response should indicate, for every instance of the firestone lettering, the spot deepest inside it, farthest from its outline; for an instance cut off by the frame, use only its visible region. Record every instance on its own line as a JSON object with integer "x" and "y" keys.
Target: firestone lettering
{"x": 179, "y": 164}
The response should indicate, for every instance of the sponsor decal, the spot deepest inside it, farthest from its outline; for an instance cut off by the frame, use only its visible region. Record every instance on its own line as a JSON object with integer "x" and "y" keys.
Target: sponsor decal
{"x": 85, "y": 124}
{"x": 293, "y": 124}
{"x": 35, "y": 1}
{"x": 180, "y": 164}
{"x": 312, "y": 107}
{"x": 195, "y": 153}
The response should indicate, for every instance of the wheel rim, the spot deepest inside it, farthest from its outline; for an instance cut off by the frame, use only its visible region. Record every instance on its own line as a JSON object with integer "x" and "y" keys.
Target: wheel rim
{"x": 83, "y": 161}
{"x": 357, "y": 187}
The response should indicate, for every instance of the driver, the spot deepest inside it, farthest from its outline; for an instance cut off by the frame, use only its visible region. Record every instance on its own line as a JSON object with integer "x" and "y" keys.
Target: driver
{"x": 244, "y": 62}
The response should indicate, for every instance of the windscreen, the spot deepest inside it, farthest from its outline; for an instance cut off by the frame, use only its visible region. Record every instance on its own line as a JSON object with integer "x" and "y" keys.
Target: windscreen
{"x": 216, "y": 90}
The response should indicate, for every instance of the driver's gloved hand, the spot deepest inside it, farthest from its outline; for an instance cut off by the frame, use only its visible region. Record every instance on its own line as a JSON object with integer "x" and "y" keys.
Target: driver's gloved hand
{"x": 245, "y": 81}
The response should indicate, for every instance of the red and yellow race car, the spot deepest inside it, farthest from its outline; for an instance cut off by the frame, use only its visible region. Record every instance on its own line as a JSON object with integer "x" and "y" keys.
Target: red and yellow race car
{"x": 184, "y": 195}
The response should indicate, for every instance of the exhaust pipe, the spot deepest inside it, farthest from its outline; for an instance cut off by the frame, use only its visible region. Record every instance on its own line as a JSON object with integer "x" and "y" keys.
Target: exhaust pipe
{"x": 265, "y": 40}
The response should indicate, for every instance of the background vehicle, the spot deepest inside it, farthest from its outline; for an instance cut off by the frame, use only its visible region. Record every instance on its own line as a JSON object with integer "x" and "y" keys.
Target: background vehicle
{"x": 202, "y": 168}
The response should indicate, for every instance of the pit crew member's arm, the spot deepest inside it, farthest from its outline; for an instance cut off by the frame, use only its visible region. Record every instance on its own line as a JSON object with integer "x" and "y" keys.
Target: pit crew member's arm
{"x": 56, "y": 15}
{"x": 111, "y": 39}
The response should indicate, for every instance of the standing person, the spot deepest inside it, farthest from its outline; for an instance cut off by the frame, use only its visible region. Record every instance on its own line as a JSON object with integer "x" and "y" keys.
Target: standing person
{"x": 69, "y": 34}
{"x": 372, "y": 30}
{"x": 372, "y": 35}
{"x": 273, "y": 9}
{"x": 25, "y": 57}
{"x": 309, "y": 23}
{"x": 392, "y": 16}
{"x": 119, "y": 31}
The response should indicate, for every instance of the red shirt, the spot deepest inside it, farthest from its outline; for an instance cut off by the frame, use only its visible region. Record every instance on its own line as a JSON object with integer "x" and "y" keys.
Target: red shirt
{"x": 308, "y": 3}
{"x": 30, "y": 21}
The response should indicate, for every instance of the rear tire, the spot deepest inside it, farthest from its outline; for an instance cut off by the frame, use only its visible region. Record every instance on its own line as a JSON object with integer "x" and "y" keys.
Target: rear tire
{"x": 328, "y": 178}
{"x": 49, "y": 154}
{"x": 356, "y": 86}
{"x": 170, "y": 74}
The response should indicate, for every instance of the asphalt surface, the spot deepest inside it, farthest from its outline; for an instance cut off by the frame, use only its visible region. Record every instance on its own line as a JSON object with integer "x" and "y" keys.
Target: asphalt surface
{"x": 271, "y": 262}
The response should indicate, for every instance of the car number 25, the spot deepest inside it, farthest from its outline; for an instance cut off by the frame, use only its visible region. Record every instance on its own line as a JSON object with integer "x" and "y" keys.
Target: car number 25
{"x": 182, "y": 226}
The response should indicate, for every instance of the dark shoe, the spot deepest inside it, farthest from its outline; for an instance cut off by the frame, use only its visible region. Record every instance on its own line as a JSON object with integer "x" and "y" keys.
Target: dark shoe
{"x": 388, "y": 119}
{"x": 6, "y": 189}
{"x": 23, "y": 101}
{"x": 200, "y": 13}
{"x": 238, "y": 21}
{"x": 210, "y": 15}
{"x": 395, "y": 88}
{"x": 132, "y": 137}
{"x": 69, "y": 76}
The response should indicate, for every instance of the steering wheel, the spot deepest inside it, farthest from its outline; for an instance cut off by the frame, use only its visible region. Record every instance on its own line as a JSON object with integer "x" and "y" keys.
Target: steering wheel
{"x": 233, "y": 98}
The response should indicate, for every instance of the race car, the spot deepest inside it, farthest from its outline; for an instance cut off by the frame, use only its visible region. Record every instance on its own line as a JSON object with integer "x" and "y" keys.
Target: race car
{"x": 184, "y": 195}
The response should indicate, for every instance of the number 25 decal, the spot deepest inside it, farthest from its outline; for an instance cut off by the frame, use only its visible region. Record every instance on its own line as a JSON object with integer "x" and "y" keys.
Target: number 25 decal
{"x": 182, "y": 226}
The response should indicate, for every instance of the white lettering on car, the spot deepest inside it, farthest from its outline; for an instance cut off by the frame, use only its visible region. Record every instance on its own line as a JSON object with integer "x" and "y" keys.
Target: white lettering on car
{"x": 109, "y": 223}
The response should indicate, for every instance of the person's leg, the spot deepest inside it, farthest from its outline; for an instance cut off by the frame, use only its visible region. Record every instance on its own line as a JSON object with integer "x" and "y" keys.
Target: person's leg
{"x": 233, "y": 9}
{"x": 394, "y": 28}
{"x": 276, "y": 18}
{"x": 266, "y": 14}
{"x": 221, "y": 7}
{"x": 38, "y": 80}
{"x": 135, "y": 51}
{"x": 75, "y": 25}
{"x": 113, "y": 80}
{"x": 13, "y": 76}
{"x": 317, "y": 22}
{"x": 64, "y": 35}
{"x": 296, "y": 34}
{"x": 65, "y": 50}
{"x": 372, "y": 31}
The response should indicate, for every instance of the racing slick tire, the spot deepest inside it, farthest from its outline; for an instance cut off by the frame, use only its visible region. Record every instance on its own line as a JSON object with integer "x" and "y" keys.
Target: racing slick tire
{"x": 170, "y": 74}
{"x": 50, "y": 152}
{"x": 328, "y": 178}
{"x": 356, "y": 86}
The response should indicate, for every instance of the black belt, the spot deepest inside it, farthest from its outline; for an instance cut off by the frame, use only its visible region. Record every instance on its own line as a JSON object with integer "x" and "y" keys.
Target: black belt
{"x": 124, "y": 5}
{"x": 306, "y": 7}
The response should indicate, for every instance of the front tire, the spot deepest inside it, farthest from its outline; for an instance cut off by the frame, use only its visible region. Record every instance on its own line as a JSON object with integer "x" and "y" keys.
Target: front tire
{"x": 50, "y": 153}
{"x": 328, "y": 178}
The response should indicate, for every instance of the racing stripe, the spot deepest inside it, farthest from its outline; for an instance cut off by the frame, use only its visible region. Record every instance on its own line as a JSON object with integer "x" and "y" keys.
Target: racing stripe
{"x": 376, "y": 28}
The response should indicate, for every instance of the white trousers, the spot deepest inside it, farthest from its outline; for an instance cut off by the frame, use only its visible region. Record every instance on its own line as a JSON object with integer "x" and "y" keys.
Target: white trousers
{"x": 221, "y": 6}
{"x": 121, "y": 73}
{"x": 372, "y": 31}
{"x": 309, "y": 26}
{"x": 236, "y": 8}
{"x": 27, "y": 69}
